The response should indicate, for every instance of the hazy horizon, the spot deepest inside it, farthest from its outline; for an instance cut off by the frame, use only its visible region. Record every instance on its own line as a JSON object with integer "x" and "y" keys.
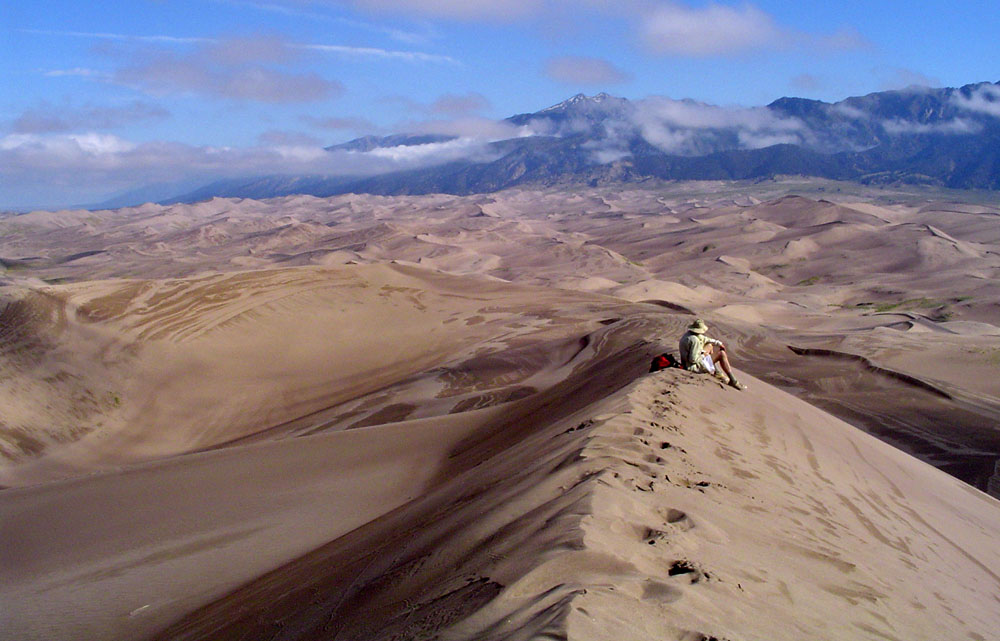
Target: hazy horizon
{"x": 113, "y": 99}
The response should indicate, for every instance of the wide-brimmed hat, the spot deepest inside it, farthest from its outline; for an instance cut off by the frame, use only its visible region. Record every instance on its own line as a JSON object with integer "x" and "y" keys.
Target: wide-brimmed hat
{"x": 698, "y": 327}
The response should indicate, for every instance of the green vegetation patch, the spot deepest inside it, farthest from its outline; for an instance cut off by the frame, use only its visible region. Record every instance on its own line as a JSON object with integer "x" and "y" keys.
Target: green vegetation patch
{"x": 909, "y": 303}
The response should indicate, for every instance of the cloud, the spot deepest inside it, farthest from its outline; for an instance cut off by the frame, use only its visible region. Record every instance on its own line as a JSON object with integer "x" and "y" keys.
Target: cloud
{"x": 170, "y": 76}
{"x": 710, "y": 31}
{"x": 296, "y": 8}
{"x": 375, "y": 52}
{"x": 431, "y": 153}
{"x": 65, "y": 150}
{"x": 240, "y": 69}
{"x": 672, "y": 28}
{"x": 158, "y": 39}
{"x": 482, "y": 129}
{"x": 75, "y": 168}
{"x": 697, "y": 115}
{"x": 79, "y": 72}
{"x": 460, "y": 105}
{"x": 955, "y": 126}
{"x": 687, "y": 127}
{"x": 464, "y": 10}
{"x": 580, "y": 70}
{"x": 604, "y": 156}
{"x": 844, "y": 109}
{"x": 257, "y": 49}
{"x": 47, "y": 118}
{"x": 901, "y": 78}
{"x": 984, "y": 99}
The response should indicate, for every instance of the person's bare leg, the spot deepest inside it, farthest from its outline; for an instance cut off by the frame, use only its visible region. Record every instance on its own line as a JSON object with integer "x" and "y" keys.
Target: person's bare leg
{"x": 720, "y": 358}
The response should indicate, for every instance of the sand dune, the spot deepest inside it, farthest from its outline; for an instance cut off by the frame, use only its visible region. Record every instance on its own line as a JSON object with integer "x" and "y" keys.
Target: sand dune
{"x": 366, "y": 417}
{"x": 189, "y": 364}
{"x": 611, "y": 519}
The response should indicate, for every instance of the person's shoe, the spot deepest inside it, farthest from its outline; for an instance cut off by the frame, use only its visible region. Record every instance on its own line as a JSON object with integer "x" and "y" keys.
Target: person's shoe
{"x": 736, "y": 384}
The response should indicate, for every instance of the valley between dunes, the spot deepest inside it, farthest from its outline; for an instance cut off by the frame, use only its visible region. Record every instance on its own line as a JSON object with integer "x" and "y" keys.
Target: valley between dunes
{"x": 431, "y": 417}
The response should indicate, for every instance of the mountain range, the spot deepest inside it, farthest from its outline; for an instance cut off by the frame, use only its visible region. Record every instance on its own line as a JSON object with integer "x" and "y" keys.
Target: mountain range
{"x": 947, "y": 137}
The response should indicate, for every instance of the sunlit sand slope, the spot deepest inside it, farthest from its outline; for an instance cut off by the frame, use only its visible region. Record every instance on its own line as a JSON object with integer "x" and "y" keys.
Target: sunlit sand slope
{"x": 111, "y": 372}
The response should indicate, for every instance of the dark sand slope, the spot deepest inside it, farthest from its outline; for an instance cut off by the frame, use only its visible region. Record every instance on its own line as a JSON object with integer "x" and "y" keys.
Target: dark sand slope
{"x": 673, "y": 509}
{"x": 123, "y": 552}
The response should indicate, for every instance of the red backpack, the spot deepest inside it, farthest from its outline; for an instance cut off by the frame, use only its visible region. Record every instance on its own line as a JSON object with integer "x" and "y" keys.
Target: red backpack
{"x": 663, "y": 361}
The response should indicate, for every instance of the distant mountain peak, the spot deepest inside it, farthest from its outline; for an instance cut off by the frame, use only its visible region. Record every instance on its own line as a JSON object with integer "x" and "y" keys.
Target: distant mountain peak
{"x": 946, "y": 136}
{"x": 582, "y": 99}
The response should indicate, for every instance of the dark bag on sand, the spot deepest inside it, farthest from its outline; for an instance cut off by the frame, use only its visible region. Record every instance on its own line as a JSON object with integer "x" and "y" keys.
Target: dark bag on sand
{"x": 663, "y": 361}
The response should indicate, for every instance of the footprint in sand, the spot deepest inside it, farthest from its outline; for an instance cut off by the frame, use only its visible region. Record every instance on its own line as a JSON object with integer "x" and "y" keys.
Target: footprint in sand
{"x": 686, "y": 568}
{"x": 679, "y": 519}
{"x": 653, "y": 536}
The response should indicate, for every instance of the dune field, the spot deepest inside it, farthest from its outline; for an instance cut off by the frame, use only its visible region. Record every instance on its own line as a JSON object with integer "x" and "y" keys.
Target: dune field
{"x": 431, "y": 417}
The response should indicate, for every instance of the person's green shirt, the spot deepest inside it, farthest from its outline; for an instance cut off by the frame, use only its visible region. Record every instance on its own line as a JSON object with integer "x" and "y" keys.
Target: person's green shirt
{"x": 692, "y": 348}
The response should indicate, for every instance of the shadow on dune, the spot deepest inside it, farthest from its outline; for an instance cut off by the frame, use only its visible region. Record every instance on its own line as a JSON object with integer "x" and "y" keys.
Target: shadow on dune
{"x": 426, "y": 566}
{"x": 672, "y": 306}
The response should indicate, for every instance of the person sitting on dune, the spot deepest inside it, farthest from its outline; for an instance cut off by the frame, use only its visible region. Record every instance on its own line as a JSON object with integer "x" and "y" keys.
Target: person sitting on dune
{"x": 702, "y": 354}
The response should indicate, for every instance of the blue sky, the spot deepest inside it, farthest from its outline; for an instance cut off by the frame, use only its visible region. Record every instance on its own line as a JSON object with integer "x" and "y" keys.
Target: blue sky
{"x": 103, "y": 97}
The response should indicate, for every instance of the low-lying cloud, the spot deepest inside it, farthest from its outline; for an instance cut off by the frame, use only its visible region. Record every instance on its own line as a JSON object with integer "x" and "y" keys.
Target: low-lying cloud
{"x": 482, "y": 129}
{"x": 65, "y": 169}
{"x": 985, "y": 99}
{"x": 687, "y": 127}
{"x": 954, "y": 126}
{"x": 890, "y": 78}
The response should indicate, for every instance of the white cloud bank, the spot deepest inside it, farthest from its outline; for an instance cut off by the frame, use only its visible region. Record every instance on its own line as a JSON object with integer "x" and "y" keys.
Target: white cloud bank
{"x": 65, "y": 169}
{"x": 955, "y": 126}
{"x": 710, "y": 31}
{"x": 984, "y": 99}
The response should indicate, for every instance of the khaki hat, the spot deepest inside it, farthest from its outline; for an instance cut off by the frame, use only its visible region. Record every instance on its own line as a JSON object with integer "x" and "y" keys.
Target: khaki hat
{"x": 698, "y": 327}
